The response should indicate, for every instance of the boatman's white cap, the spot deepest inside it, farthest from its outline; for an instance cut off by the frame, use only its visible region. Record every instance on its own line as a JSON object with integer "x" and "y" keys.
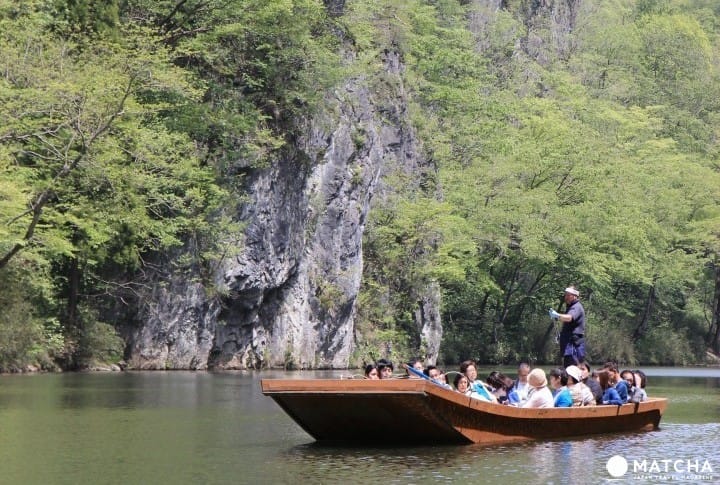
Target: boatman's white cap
{"x": 572, "y": 291}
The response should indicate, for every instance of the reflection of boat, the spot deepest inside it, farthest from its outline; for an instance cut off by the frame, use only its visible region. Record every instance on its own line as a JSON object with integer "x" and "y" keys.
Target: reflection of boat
{"x": 419, "y": 411}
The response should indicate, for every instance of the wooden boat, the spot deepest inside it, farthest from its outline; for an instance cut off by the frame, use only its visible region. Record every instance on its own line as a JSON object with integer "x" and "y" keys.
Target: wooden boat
{"x": 420, "y": 411}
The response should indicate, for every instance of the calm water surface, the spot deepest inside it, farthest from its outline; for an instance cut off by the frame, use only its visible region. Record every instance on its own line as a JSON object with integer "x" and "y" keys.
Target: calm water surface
{"x": 207, "y": 428}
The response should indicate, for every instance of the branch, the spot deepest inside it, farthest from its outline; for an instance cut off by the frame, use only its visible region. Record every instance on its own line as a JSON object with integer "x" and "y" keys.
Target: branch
{"x": 169, "y": 16}
{"x": 37, "y": 206}
{"x": 183, "y": 33}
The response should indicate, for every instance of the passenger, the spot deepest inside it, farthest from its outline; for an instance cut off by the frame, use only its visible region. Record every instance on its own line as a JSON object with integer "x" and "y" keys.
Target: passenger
{"x": 581, "y": 394}
{"x": 512, "y": 395}
{"x": 442, "y": 378}
{"x": 642, "y": 376}
{"x": 496, "y": 381}
{"x": 416, "y": 364}
{"x": 610, "y": 394}
{"x": 436, "y": 376}
{"x": 641, "y": 382}
{"x": 617, "y": 382}
{"x": 539, "y": 395}
{"x": 521, "y": 388}
{"x": 468, "y": 368}
{"x": 628, "y": 377}
{"x": 591, "y": 382}
{"x": 558, "y": 382}
{"x": 431, "y": 371}
{"x": 371, "y": 372}
{"x": 635, "y": 392}
{"x": 385, "y": 368}
{"x": 462, "y": 385}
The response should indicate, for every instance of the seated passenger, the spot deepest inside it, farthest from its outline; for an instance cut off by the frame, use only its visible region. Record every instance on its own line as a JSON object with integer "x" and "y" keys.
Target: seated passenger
{"x": 512, "y": 395}
{"x": 462, "y": 385}
{"x": 539, "y": 395}
{"x": 520, "y": 388}
{"x": 371, "y": 372}
{"x": 558, "y": 382}
{"x": 385, "y": 368}
{"x": 628, "y": 378}
{"x": 580, "y": 393}
{"x": 431, "y": 371}
{"x": 635, "y": 392}
{"x": 496, "y": 381}
{"x": 640, "y": 382}
{"x": 589, "y": 380}
{"x": 442, "y": 378}
{"x": 615, "y": 381}
{"x": 416, "y": 364}
{"x": 468, "y": 368}
{"x": 436, "y": 376}
{"x": 610, "y": 395}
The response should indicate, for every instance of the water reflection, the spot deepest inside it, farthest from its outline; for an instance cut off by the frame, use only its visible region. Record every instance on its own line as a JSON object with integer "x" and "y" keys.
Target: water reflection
{"x": 582, "y": 460}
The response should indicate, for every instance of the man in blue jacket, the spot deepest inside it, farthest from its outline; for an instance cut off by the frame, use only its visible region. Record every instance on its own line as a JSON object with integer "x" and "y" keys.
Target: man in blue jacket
{"x": 572, "y": 335}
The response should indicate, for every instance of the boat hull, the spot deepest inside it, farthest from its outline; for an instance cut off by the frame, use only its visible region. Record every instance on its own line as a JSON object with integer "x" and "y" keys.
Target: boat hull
{"x": 418, "y": 411}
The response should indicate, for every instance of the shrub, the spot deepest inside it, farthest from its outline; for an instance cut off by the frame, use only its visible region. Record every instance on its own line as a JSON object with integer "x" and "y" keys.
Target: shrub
{"x": 665, "y": 346}
{"x": 21, "y": 336}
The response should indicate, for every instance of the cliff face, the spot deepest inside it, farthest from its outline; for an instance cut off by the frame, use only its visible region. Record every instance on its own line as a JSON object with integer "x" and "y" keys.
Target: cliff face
{"x": 289, "y": 295}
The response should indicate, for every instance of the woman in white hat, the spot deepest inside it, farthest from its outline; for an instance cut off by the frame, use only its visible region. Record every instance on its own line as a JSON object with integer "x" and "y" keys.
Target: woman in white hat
{"x": 581, "y": 394}
{"x": 539, "y": 395}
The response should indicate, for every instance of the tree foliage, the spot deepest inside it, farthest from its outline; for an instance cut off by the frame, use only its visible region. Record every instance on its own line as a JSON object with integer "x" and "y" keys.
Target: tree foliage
{"x": 93, "y": 177}
{"x": 563, "y": 142}
{"x": 127, "y": 125}
{"x": 585, "y": 158}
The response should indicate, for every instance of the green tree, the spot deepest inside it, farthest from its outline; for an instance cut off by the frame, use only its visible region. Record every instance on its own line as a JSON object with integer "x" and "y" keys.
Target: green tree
{"x": 583, "y": 172}
{"x": 101, "y": 181}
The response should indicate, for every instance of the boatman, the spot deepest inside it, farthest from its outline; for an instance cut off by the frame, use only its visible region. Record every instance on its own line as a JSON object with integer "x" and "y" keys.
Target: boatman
{"x": 572, "y": 333}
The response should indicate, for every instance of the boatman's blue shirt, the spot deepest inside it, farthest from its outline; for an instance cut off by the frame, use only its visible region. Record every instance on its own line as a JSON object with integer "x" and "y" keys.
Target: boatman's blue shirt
{"x": 577, "y": 325}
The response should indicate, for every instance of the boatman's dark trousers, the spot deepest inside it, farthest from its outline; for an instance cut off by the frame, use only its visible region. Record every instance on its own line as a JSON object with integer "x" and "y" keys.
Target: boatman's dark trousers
{"x": 572, "y": 348}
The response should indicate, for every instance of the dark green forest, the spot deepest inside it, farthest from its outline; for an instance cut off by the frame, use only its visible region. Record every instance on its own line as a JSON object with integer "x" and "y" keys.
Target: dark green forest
{"x": 572, "y": 142}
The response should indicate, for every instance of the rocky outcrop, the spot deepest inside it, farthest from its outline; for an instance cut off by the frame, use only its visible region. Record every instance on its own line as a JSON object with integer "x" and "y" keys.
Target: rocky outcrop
{"x": 335, "y": 7}
{"x": 429, "y": 322}
{"x": 177, "y": 327}
{"x": 292, "y": 289}
{"x": 288, "y": 297}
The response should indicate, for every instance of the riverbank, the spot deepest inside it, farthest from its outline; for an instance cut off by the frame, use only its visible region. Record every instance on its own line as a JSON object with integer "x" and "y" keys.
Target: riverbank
{"x": 712, "y": 362}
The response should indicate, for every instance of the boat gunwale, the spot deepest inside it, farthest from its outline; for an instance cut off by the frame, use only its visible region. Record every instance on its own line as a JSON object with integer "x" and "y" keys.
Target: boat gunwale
{"x": 340, "y": 387}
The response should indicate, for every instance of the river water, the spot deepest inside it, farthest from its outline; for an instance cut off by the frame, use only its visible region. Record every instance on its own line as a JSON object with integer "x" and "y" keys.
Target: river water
{"x": 208, "y": 428}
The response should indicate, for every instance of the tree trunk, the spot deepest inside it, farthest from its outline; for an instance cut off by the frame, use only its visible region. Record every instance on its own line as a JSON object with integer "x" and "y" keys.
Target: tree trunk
{"x": 644, "y": 321}
{"x": 73, "y": 292}
{"x": 714, "y": 333}
{"x": 502, "y": 314}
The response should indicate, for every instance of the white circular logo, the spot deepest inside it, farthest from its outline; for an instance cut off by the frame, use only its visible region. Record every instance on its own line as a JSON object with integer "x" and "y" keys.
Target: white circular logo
{"x": 617, "y": 466}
